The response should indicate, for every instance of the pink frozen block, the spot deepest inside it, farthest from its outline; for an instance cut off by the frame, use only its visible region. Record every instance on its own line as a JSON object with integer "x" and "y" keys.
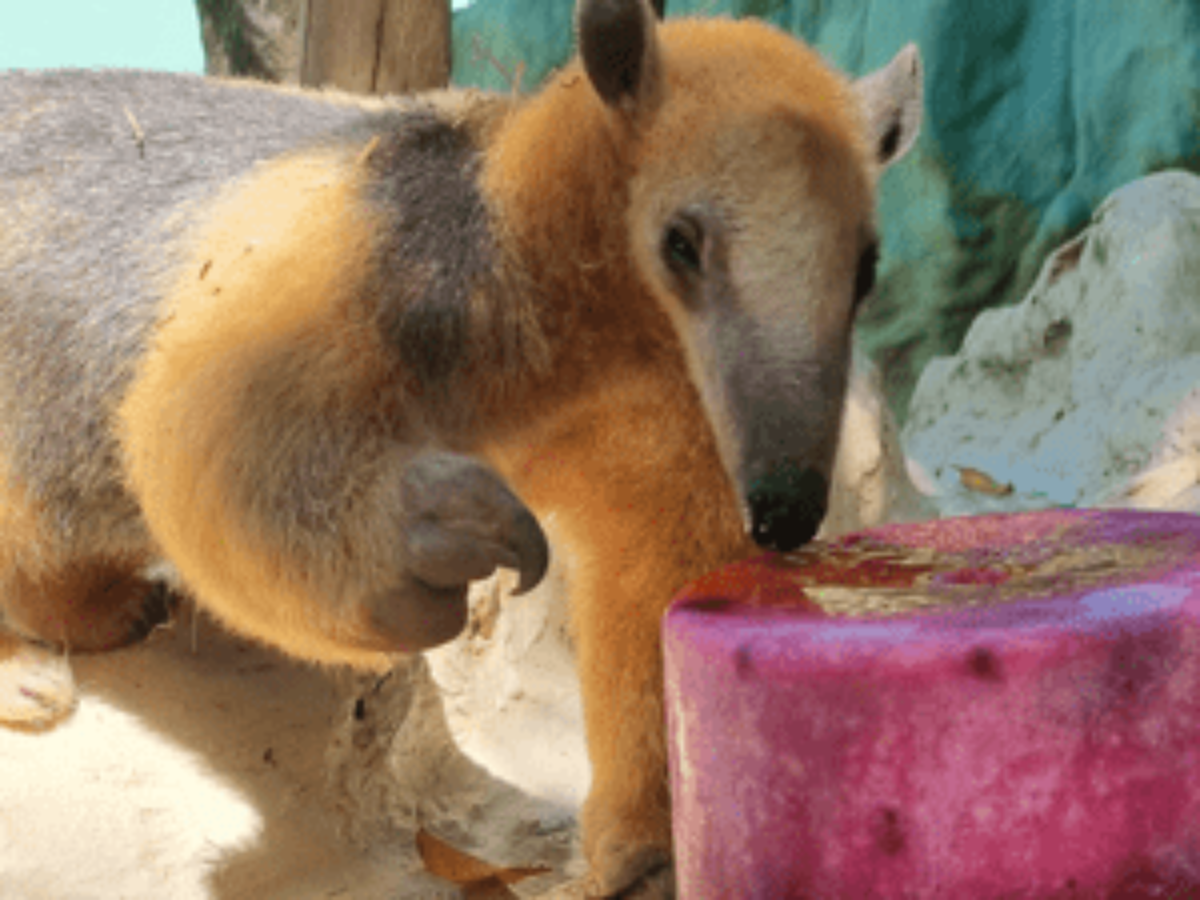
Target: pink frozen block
{"x": 1035, "y": 735}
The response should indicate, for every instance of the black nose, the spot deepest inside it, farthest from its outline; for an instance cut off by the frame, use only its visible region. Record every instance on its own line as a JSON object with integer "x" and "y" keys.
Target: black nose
{"x": 787, "y": 506}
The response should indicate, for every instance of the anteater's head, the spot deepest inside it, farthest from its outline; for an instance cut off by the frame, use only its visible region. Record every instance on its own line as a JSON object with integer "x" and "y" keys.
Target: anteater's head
{"x": 752, "y": 216}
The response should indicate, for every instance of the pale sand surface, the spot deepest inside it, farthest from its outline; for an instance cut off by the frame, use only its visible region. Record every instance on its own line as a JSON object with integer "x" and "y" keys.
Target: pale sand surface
{"x": 187, "y": 775}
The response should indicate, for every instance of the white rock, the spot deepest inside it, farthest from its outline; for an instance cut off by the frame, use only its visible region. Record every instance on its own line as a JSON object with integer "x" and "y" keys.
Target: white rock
{"x": 872, "y": 481}
{"x": 1071, "y": 395}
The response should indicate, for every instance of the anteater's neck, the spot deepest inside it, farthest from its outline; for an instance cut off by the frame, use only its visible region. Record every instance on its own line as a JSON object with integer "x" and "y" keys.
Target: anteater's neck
{"x": 556, "y": 178}
{"x": 611, "y": 440}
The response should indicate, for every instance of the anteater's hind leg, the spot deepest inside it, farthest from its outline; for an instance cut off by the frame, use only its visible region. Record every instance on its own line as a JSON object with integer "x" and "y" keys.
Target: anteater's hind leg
{"x": 82, "y": 606}
{"x": 54, "y": 602}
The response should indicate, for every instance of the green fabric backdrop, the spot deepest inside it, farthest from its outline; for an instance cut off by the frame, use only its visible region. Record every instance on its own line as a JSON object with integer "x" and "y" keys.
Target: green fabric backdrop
{"x": 1035, "y": 111}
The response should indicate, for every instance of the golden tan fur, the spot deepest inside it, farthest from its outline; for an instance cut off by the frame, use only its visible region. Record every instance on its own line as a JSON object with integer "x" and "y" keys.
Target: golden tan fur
{"x": 78, "y": 604}
{"x": 631, "y": 476}
{"x": 294, "y": 230}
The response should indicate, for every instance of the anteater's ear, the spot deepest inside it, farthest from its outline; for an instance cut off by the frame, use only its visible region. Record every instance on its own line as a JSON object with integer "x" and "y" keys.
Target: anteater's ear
{"x": 893, "y": 100}
{"x": 619, "y": 47}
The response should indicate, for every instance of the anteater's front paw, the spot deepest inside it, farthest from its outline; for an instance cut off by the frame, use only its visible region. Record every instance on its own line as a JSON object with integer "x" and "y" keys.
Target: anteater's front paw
{"x": 628, "y": 849}
{"x": 464, "y": 523}
{"x": 632, "y": 873}
{"x": 461, "y": 523}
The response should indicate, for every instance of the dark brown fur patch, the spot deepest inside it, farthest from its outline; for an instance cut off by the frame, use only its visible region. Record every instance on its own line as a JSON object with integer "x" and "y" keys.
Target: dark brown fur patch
{"x": 436, "y": 249}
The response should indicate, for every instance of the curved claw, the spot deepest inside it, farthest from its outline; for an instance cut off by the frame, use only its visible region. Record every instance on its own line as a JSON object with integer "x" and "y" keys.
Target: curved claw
{"x": 532, "y": 549}
{"x": 460, "y": 523}
{"x": 464, "y": 523}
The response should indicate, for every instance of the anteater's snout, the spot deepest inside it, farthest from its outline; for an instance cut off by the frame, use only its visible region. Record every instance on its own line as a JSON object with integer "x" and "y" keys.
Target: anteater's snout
{"x": 787, "y": 506}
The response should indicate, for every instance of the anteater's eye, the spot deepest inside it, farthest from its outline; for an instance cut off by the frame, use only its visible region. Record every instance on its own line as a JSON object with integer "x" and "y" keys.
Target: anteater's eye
{"x": 864, "y": 280}
{"x": 682, "y": 246}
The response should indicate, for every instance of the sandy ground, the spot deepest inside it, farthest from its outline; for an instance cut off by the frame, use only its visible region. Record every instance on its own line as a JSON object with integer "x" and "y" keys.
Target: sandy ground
{"x": 189, "y": 775}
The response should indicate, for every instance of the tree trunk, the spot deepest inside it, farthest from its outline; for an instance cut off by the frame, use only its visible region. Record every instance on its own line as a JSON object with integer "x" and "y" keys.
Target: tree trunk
{"x": 375, "y": 46}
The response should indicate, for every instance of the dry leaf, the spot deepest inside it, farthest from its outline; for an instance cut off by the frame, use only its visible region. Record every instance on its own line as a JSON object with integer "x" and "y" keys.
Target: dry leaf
{"x": 480, "y": 880}
{"x": 981, "y": 482}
